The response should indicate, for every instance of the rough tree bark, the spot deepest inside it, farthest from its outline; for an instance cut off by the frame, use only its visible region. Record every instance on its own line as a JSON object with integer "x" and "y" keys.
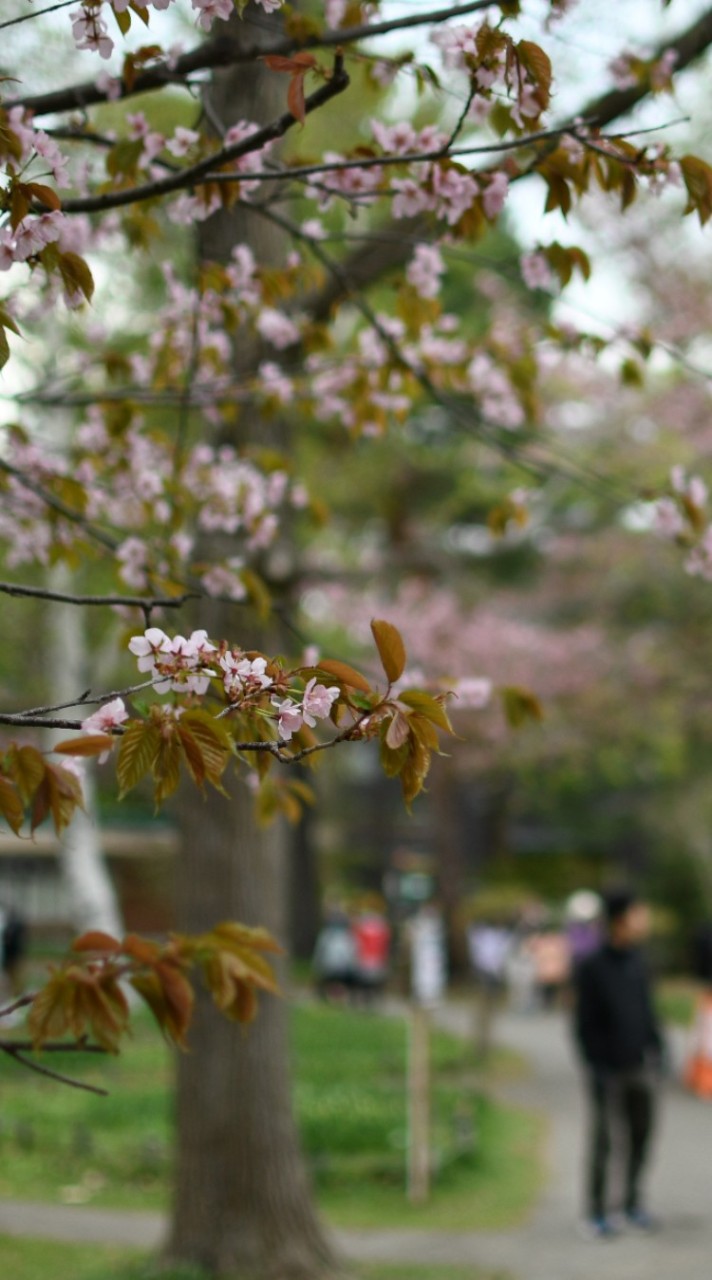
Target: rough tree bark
{"x": 242, "y": 1205}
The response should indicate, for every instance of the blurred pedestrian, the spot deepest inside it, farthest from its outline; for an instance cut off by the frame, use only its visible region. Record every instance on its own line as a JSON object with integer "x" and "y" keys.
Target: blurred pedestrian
{"x": 488, "y": 944}
{"x": 372, "y": 938}
{"x": 334, "y": 960}
{"x": 622, "y": 1048}
{"x": 13, "y": 939}
{"x": 552, "y": 964}
{"x": 583, "y": 925}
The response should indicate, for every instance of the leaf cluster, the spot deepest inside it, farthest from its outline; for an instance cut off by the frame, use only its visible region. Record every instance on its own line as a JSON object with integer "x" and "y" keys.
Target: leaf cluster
{"x": 84, "y": 996}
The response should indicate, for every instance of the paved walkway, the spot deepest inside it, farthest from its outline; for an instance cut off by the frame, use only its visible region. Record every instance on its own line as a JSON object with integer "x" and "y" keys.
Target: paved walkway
{"x": 547, "y": 1246}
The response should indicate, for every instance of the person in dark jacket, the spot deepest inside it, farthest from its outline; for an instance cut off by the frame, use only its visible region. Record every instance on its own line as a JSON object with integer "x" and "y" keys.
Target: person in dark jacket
{"x": 622, "y": 1048}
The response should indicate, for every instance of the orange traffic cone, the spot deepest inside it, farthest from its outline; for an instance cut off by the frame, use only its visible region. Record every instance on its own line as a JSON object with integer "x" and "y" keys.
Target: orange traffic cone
{"x": 698, "y": 1071}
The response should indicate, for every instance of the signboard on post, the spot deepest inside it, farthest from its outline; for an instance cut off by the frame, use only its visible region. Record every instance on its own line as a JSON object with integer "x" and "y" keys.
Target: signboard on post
{"x": 428, "y": 972}
{"x": 428, "y": 968}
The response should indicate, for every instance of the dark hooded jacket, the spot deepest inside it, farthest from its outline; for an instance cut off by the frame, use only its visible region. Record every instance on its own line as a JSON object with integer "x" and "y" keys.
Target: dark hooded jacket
{"x": 616, "y": 1025}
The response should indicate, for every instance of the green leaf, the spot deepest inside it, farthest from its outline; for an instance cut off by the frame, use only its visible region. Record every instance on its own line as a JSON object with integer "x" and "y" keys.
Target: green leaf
{"x": 76, "y": 276}
{"x": 426, "y": 705}
{"x": 137, "y": 753}
{"x": 697, "y": 176}
{"x": 520, "y": 705}
{"x": 123, "y": 21}
{"x": 166, "y": 767}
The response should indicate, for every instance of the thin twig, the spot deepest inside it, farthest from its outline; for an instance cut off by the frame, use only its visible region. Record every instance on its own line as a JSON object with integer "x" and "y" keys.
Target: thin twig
{"x": 22, "y": 1002}
{"x": 36, "y": 13}
{"x": 52, "y": 1075}
{"x": 54, "y": 1046}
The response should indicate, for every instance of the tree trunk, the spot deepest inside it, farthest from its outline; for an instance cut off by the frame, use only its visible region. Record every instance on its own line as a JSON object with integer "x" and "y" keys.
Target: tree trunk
{"x": 304, "y": 897}
{"x": 242, "y": 1204}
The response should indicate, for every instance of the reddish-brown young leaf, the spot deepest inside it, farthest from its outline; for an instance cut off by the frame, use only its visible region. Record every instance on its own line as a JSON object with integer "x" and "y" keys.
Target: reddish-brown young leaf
{"x": 341, "y": 672}
{"x": 95, "y": 940}
{"x": 46, "y": 195}
{"x": 27, "y": 769}
{"x": 296, "y": 66}
{"x": 179, "y": 998}
{"x": 51, "y": 1009}
{"x": 91, "y": 744}
{"x": 11, "y": 806}
{"x": 40, "y": 803}
{"x": 391, "y": 649}
{"x": 64, "y": 795}
{"x": 99, "y": 1005}
{"x": 141, "y": 949}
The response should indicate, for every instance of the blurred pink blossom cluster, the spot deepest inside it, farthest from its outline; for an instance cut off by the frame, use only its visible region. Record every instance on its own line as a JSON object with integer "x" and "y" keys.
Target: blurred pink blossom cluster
{"x": 91, "y": 32}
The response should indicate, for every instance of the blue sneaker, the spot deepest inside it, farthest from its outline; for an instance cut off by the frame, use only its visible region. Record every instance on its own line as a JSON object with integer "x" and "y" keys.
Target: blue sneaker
{"x": 599, "y": 1229}
{"x": 641, "y": 1220}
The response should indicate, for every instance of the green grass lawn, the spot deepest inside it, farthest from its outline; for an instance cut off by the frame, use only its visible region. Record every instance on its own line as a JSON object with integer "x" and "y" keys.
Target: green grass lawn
{"x": 676, "y": 1000}
{"x": 65, "y": 1145}
{"x": 40, "y": 1260}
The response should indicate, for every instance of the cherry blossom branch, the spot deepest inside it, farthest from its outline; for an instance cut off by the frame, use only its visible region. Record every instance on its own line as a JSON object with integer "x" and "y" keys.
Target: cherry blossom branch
{"x": 493, "y": 436}
{"x": 84, "y": 699}
{"x": 146, "y": 603}
{"x": 404, "y": 158}
{"x": 446, "y": 152}
{"x": 366, "y": 265}
{"x": 194, "y": 174}
{"x": 69, "y": 513}
{"x": 225, "y": 51}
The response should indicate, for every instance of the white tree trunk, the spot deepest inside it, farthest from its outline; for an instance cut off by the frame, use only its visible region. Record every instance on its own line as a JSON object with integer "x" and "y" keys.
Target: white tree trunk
{"x": 92, "y": 898}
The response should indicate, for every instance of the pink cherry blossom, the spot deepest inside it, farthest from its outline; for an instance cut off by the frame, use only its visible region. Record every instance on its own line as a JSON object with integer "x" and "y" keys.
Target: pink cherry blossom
{"x": 290, "y": 719}
{"x": 90, "y": 31}
{"x": 107, "y": 717}
{"x": 209, "y": 10}
{"x": 277, "y": 328}
{"x": 536, "y": 272}
{"x": 317, "y": 701}
{"x": 182, "y": 141}
{"x": 148, "y": 646}
{"x": 243, "y": 676}
{"x": 425, "y": 269}
{"x": 472, "y": 693}
{"x": 495, "y": 194}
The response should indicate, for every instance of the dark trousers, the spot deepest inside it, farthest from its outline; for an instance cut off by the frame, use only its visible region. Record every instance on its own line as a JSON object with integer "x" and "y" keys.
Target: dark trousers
{"x": 622, "y": 1114}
